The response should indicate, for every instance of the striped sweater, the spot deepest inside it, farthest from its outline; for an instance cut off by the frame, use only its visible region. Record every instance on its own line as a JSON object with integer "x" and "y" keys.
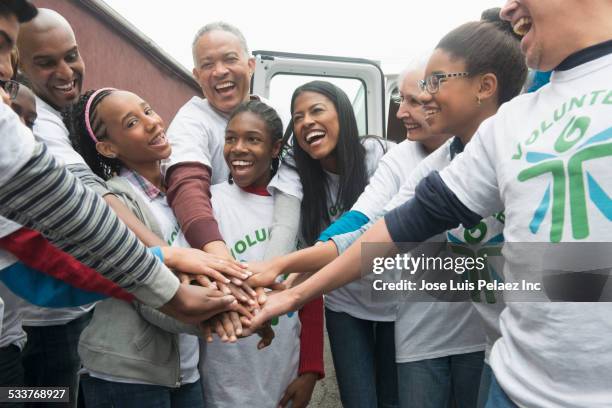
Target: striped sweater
{"x": 46, "y": 197}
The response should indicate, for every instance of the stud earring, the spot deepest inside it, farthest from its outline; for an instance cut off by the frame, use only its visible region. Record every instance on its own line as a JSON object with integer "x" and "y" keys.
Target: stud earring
{"x": 112, "y": 156}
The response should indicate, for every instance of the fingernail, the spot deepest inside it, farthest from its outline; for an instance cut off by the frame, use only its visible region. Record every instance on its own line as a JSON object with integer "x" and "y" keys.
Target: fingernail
{"x": 239, "y": 332}
{"x": 255, "y": 312}
{"x": 262, "y": 298}
{"x": 214, "y": 285}
{"x": 245, "y": 275}
{"x": 251, "y": 302}
{"x": 237, "y": 281}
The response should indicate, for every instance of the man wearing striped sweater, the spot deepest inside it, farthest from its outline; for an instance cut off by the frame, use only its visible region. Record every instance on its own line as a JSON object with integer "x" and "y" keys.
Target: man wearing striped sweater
{"x": 37, "y": 193}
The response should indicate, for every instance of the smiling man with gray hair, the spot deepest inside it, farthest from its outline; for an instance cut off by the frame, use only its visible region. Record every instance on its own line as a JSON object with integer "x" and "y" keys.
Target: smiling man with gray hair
{"x": 223, "y": 67}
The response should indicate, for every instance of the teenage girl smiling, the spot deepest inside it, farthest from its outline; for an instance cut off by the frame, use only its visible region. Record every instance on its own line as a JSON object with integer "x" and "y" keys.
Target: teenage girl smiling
{"x": 242, "y": 374}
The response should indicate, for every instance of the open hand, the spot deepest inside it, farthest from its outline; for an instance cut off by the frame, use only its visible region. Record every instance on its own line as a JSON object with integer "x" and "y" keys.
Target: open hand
{"x": 193, "y": 304}
{"x": 265, "y": 273}
{"x": 195, "y": 262}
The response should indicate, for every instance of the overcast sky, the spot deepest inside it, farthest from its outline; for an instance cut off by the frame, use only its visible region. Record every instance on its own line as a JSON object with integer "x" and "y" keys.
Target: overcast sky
{"x": 390, "y": 31}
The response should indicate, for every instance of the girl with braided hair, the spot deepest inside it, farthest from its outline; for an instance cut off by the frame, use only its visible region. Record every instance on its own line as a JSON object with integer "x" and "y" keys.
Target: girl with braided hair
{"x": 134, "y": 355}
{"x": 285, "y": 372}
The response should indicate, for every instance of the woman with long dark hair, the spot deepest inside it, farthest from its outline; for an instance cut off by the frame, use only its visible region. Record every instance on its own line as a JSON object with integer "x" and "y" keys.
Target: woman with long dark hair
{"x": 334, "y": 165}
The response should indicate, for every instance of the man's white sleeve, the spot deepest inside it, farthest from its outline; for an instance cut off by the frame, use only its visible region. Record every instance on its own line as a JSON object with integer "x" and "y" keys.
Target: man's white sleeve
{"x": 472, "y": 175}
{"x": 189, "y": 139}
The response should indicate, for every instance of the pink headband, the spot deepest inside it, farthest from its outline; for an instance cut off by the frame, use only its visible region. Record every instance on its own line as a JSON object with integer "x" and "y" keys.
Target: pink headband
{"x": 88, "y": 107}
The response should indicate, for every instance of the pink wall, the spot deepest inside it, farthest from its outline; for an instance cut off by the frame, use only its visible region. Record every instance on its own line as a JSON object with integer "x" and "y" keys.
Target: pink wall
{"x": 111, "y": 59}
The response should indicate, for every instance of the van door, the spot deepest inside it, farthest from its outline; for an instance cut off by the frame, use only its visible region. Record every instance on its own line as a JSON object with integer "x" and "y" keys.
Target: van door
{"x": 278, "y": 74}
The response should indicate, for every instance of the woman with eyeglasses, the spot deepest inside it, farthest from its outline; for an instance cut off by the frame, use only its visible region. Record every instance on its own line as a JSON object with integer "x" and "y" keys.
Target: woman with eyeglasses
{"x": 474, "y": 69}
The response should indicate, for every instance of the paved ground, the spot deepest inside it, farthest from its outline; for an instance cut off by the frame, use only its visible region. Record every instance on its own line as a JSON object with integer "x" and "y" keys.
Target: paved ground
{"x": 325, "y": 394}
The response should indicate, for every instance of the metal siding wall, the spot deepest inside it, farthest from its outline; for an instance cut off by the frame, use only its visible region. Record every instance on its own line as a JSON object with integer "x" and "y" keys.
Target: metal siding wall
{"x": 111, "y": 60}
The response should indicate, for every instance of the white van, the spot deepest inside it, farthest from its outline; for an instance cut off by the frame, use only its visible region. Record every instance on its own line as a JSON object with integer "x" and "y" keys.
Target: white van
{"x": 278, "y": 74}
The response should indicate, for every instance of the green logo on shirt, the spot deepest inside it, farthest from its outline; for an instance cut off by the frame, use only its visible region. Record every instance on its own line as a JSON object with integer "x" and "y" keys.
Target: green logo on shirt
{"x": 572, "y": 149}
{"x": 472, "y": 246}
{"x": 249, "y": 240}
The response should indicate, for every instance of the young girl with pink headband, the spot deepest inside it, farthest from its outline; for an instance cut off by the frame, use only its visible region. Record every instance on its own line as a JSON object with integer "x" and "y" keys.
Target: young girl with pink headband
{"x": 133, "y": 355}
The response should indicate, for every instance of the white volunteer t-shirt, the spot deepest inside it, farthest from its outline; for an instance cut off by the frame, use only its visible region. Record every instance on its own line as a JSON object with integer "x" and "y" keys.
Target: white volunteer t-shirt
{"x": 391, "y": 173}
{"x": 41, "y": 316}
{"x": 486, "y": 238}
{"x": 50, "y": 129}
{"x": 239, "y": 375}
{"x": 550, "y": 354}
{"x": 427, "y": 330}
{"x": 197, "y": 134}
{"x": 188, "y": 344}
{"x": 354, "y": 298}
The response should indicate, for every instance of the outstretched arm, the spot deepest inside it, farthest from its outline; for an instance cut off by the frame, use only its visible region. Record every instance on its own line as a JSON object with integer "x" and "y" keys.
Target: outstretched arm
{"x": 65, "y": 282}
{"x": 77, "y": 221}
{"x": 285, "y": 225}
{"x": 305, "y": 260}
{"x": 434, "y": 209}
{"x": 189, "y": 196}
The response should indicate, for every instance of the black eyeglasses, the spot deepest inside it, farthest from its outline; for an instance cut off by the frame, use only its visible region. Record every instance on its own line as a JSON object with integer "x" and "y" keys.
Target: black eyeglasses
{"x": 10, "y": 87}
{"x": 432, "y": 83}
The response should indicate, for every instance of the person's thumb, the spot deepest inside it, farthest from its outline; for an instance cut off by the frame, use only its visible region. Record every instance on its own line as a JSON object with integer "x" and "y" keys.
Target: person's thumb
{"x": 260, "y": 318}
{"x": 213, "y": 305}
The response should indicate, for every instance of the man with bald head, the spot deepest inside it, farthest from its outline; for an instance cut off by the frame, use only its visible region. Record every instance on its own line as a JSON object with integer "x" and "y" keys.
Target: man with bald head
{"x": 50, "y": 59}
